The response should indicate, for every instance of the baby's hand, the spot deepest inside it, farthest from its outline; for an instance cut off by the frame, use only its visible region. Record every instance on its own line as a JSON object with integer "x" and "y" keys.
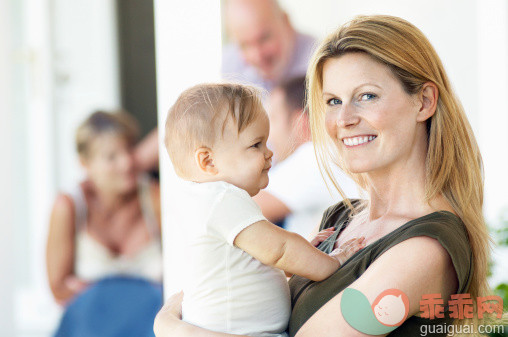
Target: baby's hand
{"x": 322, "y": 236}
{"x": 347, "y": 250}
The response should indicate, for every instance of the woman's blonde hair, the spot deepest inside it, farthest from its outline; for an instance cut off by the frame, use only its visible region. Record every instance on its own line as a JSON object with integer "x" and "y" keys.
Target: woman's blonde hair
{"x": 454, "y": 166}
{"x": 100, "y": 122}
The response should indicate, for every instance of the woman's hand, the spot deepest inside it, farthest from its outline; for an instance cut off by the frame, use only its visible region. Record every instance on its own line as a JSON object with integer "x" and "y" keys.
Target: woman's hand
{"x": 322, "y": 236}
{"x": 75, "y": 284}
{"x": 168, "y": 322}
{"x": 169, "y": 316}
{"x": 146, "y": 152}
{"x": 74, "y": 287}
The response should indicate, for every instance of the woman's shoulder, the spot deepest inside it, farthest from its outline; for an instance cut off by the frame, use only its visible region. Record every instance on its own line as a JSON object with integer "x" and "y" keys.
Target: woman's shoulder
{"x": 62, "y": 216}
{"x": 338, "y": 213}
{"x": 445, "y": 226}
{"x": 71, "y": 203}
{"x": 75, "y": 192}
{"x": 444, "y": 233}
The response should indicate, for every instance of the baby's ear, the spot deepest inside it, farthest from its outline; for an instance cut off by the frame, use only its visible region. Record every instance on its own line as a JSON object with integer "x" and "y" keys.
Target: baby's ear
{"x": 203, "y": 157}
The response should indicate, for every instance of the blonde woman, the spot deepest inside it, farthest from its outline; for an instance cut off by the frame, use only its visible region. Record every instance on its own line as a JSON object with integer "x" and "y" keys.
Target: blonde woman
{"x": 383, "y": 109}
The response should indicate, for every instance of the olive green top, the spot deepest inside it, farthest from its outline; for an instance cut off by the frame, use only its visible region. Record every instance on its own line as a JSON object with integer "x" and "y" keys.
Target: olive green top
{"x": 307, "y": 296}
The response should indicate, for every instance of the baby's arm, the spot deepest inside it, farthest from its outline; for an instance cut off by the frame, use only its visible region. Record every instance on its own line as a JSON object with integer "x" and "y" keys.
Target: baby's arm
{"x": 285, "y": 250}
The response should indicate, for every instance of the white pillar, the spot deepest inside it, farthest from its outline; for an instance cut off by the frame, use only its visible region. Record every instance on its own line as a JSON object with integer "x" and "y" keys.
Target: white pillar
{"x": 188, "y": 51}
{"x": 40, "y": 158}
{"x": 7, "y": 115}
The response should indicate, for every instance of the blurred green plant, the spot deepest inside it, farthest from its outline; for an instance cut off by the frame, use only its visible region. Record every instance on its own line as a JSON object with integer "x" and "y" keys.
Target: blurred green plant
{"x": 500, "y": 234}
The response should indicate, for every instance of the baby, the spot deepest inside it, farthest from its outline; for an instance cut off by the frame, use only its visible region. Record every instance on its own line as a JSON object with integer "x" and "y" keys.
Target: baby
{"x": 216, "y": 138}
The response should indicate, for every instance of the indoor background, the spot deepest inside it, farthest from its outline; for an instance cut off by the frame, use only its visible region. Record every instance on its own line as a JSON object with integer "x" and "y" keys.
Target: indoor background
{"x": 60, "y": 60}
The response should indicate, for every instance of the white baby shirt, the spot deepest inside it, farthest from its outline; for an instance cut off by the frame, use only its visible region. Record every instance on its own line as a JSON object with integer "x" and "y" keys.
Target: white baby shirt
{"x": 226, "y": 289}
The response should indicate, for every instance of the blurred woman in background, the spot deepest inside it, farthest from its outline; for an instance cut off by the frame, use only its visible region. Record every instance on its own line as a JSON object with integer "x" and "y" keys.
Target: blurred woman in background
{"x": 109, "y": 224}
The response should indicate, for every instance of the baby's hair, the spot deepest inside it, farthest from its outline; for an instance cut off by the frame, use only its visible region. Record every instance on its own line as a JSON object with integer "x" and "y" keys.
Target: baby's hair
{"x": 199, "y": 116}
{"x": 101, "y": 122}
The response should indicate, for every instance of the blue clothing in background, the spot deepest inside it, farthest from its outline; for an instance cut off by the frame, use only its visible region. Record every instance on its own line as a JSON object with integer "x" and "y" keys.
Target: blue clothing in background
{"x": 115, "y": 306}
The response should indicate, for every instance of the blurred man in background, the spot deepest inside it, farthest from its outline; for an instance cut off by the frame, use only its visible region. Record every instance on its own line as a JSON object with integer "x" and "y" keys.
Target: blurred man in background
{"x": 297, "y": 191}
{"x": 265, "y": 48}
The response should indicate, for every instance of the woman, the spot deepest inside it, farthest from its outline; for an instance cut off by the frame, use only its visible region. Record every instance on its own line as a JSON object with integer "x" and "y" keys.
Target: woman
{"x": 381, "y": 103}
{"x": 109, "y": 224}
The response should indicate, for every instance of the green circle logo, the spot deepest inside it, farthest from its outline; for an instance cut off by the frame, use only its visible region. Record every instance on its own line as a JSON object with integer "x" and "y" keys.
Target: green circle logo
{"x": 388, "y": 311}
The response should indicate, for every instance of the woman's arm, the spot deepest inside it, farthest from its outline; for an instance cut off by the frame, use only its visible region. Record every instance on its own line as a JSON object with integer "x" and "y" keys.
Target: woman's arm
{"x": 155, "y": 196}
{"x": 168, "y": 322}
{"x": 60, "y": 251}
{"x": 416, "y": 266}
{"x": 146, "y": 152}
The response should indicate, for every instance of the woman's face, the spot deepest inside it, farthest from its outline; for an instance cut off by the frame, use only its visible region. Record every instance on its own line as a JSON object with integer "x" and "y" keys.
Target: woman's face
{"x": 369, "y": 116}
{"x": 110, "y": 164}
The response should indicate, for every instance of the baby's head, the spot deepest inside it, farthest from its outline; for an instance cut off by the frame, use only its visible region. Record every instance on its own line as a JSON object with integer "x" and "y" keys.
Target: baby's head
{"x": 218, "y": 132}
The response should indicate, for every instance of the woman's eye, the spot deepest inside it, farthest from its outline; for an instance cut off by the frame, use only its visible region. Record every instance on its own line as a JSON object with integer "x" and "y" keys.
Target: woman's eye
{"x": 334, "y": 101}
{"x": 366, "y": 97}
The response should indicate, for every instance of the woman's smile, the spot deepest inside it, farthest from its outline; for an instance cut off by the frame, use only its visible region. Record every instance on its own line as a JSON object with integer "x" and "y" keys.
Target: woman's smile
{"x": 358, "y": 140}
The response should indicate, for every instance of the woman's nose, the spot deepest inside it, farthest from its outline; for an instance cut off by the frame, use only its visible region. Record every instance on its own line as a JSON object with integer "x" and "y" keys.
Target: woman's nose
{"x": 347, "y": 116}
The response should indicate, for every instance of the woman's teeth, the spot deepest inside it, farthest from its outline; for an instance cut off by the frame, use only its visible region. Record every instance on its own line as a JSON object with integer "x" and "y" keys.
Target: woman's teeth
{"x": 358, "y": 140}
